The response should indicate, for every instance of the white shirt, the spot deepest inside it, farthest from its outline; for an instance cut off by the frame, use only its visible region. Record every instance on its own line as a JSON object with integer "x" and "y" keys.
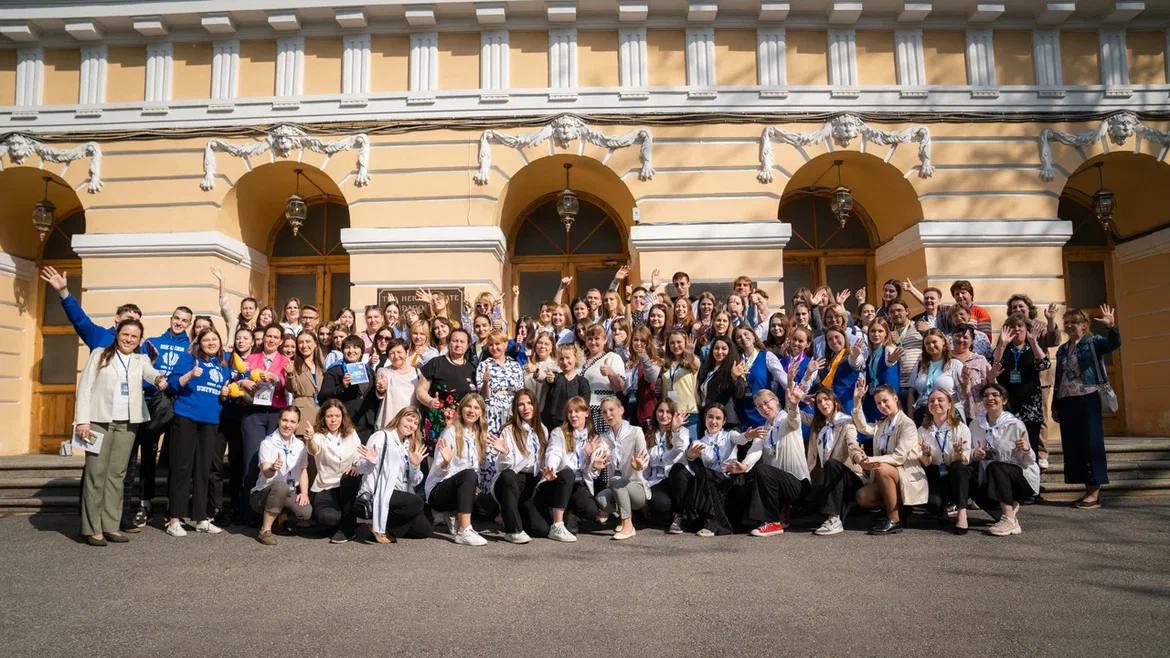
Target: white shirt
{"x": 515, "y": 460}
{"x": 336, "y": 454}
{"x": 557, "y": 458}
{"x": 719, "y": 450}
{"x": 667, "y": 449}
{"x": 121, "y": 392}
{"x": 783, "y": 446}
{"x": 469, "y": 460}
{"x": 292, "y": 454}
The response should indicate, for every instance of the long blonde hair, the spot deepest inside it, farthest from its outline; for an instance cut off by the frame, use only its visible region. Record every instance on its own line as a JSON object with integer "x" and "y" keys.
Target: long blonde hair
{"x": 415, "y": 439}
{"x": 481, "y": 427}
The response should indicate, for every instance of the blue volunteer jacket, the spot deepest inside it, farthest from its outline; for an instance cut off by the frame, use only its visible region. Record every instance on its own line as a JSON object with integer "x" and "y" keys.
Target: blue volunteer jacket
{"x": 166, "y": 350}
{"x": 199, "y": 400}
{"x": 93, "y": 336}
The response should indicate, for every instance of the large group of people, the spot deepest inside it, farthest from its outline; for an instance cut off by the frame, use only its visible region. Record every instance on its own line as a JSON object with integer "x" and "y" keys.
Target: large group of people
{"x": 627, "y": 408}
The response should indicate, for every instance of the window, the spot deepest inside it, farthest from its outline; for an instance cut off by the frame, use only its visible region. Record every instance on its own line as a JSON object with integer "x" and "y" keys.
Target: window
{"x": 821, "y": 251}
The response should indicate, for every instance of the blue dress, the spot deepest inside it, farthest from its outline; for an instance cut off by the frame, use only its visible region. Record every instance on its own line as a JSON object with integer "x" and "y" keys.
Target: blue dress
{"x": 878, "y": 374}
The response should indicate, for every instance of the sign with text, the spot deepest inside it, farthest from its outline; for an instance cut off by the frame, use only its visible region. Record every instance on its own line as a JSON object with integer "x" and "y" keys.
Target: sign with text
{"x": 407, "y": 299}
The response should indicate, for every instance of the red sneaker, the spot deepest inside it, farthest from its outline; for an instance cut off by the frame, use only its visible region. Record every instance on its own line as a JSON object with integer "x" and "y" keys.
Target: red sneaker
{"x": 768, "y": 529}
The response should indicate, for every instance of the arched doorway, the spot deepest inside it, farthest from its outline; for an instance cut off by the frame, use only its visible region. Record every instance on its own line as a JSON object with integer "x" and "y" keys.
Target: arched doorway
{"x": 312, "y": 265}
{"x": 821, "y": 252}
{"x": 543, "y": 253}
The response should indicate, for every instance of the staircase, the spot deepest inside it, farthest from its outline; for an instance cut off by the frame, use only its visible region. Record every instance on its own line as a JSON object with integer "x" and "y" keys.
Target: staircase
{"x": 48, "y": 484}
{"x": 1137, "y": 467}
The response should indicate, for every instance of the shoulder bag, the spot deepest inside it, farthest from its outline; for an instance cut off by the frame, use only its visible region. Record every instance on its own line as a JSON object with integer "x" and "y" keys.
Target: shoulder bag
{"x": 363, "y": 505}
{"x": 1104, "y": 388}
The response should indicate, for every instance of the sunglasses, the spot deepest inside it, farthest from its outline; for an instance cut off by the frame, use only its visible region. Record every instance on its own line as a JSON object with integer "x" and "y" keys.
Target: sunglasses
{"x": 381, "y": 338}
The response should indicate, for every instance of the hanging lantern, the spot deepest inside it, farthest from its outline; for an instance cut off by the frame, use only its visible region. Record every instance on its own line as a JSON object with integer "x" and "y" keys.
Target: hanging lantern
{"x": 44, "y": 213}
{"x": 295, "y": 209}
{"x": 568, "y": 204}
{"x": 1103, "y": 201}
{"x": 842, "y": 201}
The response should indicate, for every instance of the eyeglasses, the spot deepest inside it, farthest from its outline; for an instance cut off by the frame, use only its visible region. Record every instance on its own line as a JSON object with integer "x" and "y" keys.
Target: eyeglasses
{"x": 381, "y": 338}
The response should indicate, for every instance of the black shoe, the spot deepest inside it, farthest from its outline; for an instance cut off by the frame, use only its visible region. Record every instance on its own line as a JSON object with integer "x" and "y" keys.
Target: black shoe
{"x": 338, "y": 537}
{"x": 95, "y": 541}
{"x": 116, "y": 538}
{"x": 886, "y": 527}
{"x": 141, "y": 516}
{"x": 959, "y": 531}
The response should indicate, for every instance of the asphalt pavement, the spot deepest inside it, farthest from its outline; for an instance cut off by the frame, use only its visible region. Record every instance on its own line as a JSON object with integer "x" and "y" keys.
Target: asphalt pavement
{"x": 1077, "y": 582}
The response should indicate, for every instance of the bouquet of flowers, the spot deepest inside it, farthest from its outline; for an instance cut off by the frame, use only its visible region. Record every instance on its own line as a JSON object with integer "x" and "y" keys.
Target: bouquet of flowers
{"x": 436, "y": 420}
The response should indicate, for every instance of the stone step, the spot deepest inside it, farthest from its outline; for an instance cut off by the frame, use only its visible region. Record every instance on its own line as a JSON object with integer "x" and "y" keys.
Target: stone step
{"x": 1120, "y": 469}
{"x": 1059, "y": 491}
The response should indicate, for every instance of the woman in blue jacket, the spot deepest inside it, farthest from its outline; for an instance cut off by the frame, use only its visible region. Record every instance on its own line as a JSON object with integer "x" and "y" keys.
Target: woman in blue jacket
{"x": 201, "y": 378}
{"x": 881, "y": 365}
{"x": 1076, "y": 403}
{"x": 842, "y": 366}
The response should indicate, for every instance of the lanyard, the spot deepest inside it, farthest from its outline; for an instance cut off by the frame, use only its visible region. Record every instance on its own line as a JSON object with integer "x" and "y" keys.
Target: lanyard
{"x": 1016, "y": 354}
{"x": 287, "y": 459}
{"x": 942, "y": 438}
{"x": 884, "y": 438}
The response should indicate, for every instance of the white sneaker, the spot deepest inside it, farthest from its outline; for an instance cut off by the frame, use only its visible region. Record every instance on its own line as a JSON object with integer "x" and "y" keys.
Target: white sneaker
{"x": 1042, "y": 463}
{"x": 558, "y": 532}
{"x": 675, "y": 525}
{"x": 518, "y": 537}
{"x": 208, "y": 527}
{"x": 705, "y": 533}
{"x": 831, "y": 526}
{"x": 452, "y": 528}
{"x": 176, "y": 530}
{"x": 469, "y": 537}
{"x": 1005, "y": 526}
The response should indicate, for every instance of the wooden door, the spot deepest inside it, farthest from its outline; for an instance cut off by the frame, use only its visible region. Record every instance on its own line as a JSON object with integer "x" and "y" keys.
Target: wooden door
{"x": 1088, "y": 281}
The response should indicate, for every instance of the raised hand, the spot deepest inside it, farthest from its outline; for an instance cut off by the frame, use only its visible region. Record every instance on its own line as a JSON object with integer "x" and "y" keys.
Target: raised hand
{"x": 565, "y": 281}
{"x": 756, "y": 433}
{"x": 417, "y": 455}
{"x": 196, "y": 372}
{"x": 215, "y": 272}
{"x": 1050, "y": 312}
{"x": 277, "y": 463}
{"x": 860, "y": 296}
{"x": 843, "y": 296}
{"x": 367, "y": 453}
{"x": 896, "y": 354}
{"x": 445, "y": 451}
{"x": 515, "y": 290}
{"x": 855, "y": 349}
{"x": 640, "y": 460}
{"x": 738, "y": 369}
{"x": 1107, "y": 315}
{"x": 795, "y": 394}
{"x": 58, "y": 280}
{"x": 622, "y": 273}
{"x": 1007, "y": 334}
{"x": 695, "y": 450}
{"x": 859, "y": 390}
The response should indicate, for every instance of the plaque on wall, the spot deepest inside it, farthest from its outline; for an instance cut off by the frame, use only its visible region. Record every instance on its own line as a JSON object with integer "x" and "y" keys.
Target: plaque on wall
{"x": 407, "y": 299}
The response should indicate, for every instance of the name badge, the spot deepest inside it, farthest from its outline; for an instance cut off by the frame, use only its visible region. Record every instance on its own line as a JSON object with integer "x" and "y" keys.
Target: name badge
{"x": 125, "y": 389}
{"x": 1015, "y": 377}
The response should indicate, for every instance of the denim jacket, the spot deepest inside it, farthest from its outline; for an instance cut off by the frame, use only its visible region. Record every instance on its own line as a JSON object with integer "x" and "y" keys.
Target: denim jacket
{"x": 1102, "y": 344}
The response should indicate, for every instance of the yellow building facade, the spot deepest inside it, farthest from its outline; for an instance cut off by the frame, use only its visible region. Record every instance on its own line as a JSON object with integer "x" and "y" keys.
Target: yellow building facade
{"x": 432, "y": 141}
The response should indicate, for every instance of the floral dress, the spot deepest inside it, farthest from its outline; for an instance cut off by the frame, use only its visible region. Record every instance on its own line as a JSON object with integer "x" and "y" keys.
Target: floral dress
{"x": 506, "y": 379}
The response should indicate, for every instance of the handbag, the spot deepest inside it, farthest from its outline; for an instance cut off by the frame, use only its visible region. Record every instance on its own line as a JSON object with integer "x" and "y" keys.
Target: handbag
{"x": 1104, "y": 388}
{"x": 162, "y": 412}
{"x": 363, "y": 505}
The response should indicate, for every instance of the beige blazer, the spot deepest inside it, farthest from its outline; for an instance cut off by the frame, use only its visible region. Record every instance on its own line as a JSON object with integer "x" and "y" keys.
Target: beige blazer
{"x": 902, "y": 451}
{"x": 845, "y": 450}
{"x": 304, "y": 391}
{"x": 95, "y": 389}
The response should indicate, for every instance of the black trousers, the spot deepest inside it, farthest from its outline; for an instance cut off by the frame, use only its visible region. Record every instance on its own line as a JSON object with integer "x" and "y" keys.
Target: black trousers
{"x": 678, "y": 482}
{"x": 951, "y": 488}
{"x": 1004, "y": 483}
{"x": 833, "y": 484}
{"x": 516, "y": 494}
{"x": 406, "y": 517}
{"x": 141, "y": 471}
{"x": 456, "y": 494}
{"x": 190, "y": 446}
{"x": 713, "y": 501}
{"x": 333, "y": 508}
{"x": 660, "y": 506}
{"x": 228, "y": 438}
{"x": 770, "y": 491}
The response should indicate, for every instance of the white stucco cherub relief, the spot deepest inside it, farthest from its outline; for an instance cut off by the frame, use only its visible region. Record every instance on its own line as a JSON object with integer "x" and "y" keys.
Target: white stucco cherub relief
{"x": 841, "y": 130}
{"x": 561, "y": 132}
{"x": 281, "y": 142}
{"x": 19, "y": 147}
{"x": 1117, "y": 128}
